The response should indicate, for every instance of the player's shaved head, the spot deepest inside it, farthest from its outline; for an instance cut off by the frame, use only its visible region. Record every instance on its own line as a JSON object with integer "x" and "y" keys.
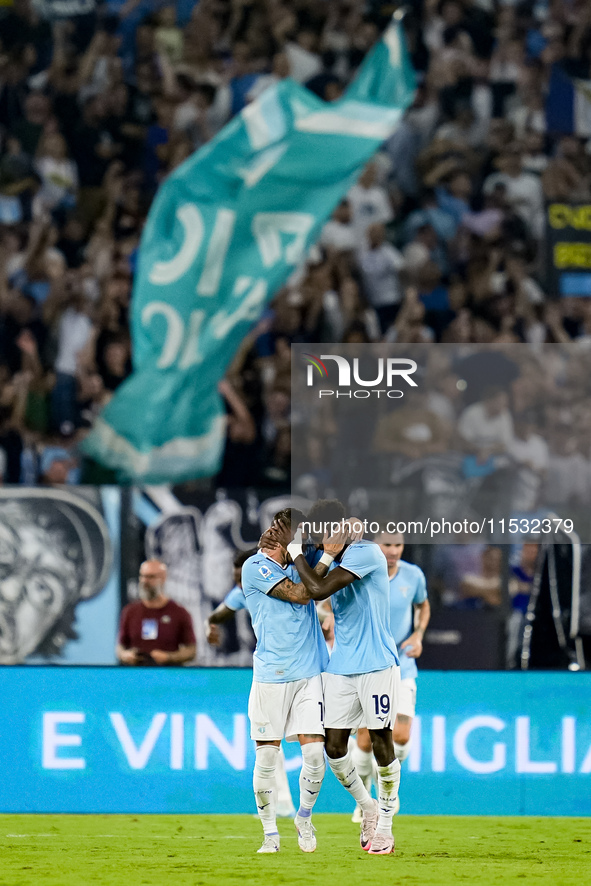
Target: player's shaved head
{"x": 326, "y": 510}
{"x": 324, "y": 517}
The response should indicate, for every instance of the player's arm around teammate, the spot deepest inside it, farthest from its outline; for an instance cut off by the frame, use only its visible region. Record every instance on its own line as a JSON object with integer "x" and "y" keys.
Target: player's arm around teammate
{"x": 286, "y": 698}
{"x": 361, "y": 680}
{"x": 232, "y": 603}
{"x": 321, "y": 588}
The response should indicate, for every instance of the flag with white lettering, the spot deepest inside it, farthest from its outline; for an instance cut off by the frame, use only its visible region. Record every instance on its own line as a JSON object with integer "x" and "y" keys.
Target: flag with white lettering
{"x": 225, "y": 231}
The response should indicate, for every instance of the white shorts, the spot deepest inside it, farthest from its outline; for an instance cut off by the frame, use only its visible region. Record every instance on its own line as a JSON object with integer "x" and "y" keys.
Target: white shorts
{"x": 278, "y": 710}
{"x": 369, "y": 700}
{"x": 407, "y": 697}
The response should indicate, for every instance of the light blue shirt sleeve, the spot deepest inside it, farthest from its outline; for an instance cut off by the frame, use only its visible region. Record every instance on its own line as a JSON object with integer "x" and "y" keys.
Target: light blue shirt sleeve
{"x": 358, "y": 560}
{"x": 290, "y": 645}
{"x": 363, "y": 637}
{"x": 235, "y": 599}
{"x": 421, "y": 589}
{"x": 262, "y": 575}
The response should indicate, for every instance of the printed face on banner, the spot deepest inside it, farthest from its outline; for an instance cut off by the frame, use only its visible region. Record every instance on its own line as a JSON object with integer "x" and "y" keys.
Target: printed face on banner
{"x": 35, "y": 584}
{"x": 54, "y": 552}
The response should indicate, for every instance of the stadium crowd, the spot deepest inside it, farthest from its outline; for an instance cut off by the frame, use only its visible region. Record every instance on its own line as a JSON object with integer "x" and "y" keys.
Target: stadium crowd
{"x": 441, "y": 240}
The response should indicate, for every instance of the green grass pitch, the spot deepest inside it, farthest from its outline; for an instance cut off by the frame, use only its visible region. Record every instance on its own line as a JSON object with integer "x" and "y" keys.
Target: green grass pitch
{"x": 190, "y": 850}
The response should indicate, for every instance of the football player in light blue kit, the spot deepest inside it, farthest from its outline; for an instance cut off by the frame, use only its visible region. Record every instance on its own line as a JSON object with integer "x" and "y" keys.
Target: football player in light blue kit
{"x": 361, "y": 679}
{"x": 234, "y": 602}
{"x": 286, "y": 698}
{"x": 408, "y": 602}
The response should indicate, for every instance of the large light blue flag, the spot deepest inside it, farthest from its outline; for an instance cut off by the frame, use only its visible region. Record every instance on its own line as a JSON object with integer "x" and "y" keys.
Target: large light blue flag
{"x": 225, "y": 231}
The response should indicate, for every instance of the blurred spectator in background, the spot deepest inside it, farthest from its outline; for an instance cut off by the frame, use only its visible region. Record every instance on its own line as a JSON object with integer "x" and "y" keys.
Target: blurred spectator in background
{"x": 529, "y": 451}
{"x": 441, "y": 239}
{"x": 484, "y": 588}
{"x": 413, "y": 430}
{"x": 96, "y": 110}
{"x": 369, "y": 203}
{"x": 486, "y": 427}
{"x": 451, "y": 564}
{"x": 380, "y": 264}
{"x": 58, "y": 177}
{"x": 155, "y": 630}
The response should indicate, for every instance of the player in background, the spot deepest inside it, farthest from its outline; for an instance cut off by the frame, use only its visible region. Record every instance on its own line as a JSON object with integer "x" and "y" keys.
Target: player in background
{"x": 361, "y": 679}
{"x": 409, "y": 616}
{"x": 232, "y": 603}
{"x": 286, "y": 698}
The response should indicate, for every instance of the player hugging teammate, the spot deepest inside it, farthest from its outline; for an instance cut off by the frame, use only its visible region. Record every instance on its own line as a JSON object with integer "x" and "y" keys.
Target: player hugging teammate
{"x": 359, "y": 686}
{"x": 409, "y": 617}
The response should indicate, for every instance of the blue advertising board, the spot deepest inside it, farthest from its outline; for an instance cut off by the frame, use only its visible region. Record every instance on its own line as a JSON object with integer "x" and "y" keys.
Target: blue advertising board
{"x": 177, "y": 741}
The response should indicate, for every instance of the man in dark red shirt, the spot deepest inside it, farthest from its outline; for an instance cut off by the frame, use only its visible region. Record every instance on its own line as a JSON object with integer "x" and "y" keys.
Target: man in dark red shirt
{"x": 154, "y": 629}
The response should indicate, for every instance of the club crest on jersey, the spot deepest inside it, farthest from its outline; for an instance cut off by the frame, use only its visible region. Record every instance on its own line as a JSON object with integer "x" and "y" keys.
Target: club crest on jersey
{"x": 265, "y": 571}
{"x": 404, "y": 590}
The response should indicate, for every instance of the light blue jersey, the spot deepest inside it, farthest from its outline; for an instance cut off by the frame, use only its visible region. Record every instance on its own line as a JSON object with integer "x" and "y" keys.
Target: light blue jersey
{"x": 406, "y": 588}
{"x": 363, "y": 641}
{"x": 235, "y": 599}
{"x": 290, "y": 645}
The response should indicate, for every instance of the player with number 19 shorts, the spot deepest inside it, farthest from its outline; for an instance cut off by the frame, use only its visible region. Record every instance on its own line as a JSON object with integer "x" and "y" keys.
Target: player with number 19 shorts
{"x": 361, "y": 680}
{"x": 409, "y": 616}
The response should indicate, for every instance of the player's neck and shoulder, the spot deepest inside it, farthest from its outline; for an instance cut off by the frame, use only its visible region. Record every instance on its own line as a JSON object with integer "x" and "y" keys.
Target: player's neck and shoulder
{"x": 363, "y": 558}
{"x": 365, "y": 547}
{"x": 406, "y": 570}
{"x": 257, "y": 560}
{"x": 259, "y": 557}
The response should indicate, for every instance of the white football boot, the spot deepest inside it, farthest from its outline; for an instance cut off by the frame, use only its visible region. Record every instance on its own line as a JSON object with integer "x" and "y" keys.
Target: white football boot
{"x": 270, "y": 844}
{"x": 306, "y": 834}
